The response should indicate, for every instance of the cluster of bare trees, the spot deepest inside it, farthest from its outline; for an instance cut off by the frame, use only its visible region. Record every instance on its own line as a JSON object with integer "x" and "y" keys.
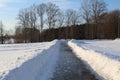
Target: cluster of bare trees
{"x": 99, "y": 22}
{"x": 108, "y": 28}
{"x": 43, "y": 16}
{"x": 47, "y": 20}
{"x": 93, "y": 11}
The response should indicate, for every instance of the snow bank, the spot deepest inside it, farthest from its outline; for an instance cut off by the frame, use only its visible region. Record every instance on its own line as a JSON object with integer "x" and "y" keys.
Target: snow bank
{"x": 108, "y": 48}
{"x": 108, "y": 68}
{"x": 20, "y": 61}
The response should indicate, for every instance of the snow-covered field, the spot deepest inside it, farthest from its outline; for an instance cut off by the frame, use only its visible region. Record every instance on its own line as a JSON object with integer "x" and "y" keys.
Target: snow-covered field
{"x": 27, "y": 59}
{"x": 102, "y": 56}
{"x": 109, "y": 48}
{"x": 37, "y": 61}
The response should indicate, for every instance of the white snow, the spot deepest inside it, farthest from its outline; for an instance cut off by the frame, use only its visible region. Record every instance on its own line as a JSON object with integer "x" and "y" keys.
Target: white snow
{"x": 32, "y": 61}
{"x": 109, "y": 48}
{"x": 37, "y": 61}
{"x": 101, "y": 56}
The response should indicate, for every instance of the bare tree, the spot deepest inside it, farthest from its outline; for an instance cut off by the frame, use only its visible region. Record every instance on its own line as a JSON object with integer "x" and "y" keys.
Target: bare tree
{"x": 68, "y": 17}
{"x": 75, "y": 18}
{"x": 98, "y": 7}
{"x": 32, "y": 20}
{"x": 1, "y": 32}
{"x": 86, "y": 12}
{"x": 86, "y": 15}
{"x": 23, "y": 18}
{"x": 60, "y": 19}
{"x": 72, "y": 17}
{"x": 32, "y": 16}
{"x": 52, "y": 12}
{"x": 41, "y": 11}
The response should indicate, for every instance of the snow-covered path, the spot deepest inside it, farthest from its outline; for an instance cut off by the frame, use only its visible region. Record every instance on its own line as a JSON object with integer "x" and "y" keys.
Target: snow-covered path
{"x": 58, "y": 62}
{"x": 69, "y": 67}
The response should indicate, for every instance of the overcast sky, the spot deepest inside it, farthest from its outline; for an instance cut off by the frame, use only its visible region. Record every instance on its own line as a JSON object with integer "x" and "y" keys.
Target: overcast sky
{"x": 10, "y": 8}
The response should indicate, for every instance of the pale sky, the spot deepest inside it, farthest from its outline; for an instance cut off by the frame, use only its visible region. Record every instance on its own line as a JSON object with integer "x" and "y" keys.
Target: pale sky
{"x": 9, "y": 8}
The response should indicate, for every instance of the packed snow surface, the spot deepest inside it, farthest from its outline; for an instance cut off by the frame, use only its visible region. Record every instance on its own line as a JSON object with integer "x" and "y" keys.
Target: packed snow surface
{"x": 102, "y": 56}
{"x": 26, "y": 61}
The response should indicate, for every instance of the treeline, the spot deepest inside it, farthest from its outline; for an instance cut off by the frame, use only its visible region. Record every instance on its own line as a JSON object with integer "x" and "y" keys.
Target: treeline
{"x": 46, "y": 21}
{"x": 33, "y": 21}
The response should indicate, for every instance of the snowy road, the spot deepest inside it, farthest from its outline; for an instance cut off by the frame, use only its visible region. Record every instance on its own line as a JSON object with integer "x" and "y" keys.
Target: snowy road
{"x": 58, "y": 62}
{"x": 69, "y": 67}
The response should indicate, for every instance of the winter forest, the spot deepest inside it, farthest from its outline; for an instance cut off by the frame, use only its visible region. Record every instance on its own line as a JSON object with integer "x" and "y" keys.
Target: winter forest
{"x": 46, "y": 22}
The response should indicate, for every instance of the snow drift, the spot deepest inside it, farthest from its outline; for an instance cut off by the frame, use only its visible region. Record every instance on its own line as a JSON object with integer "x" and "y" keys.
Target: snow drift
{"x": 102, "y": 64}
